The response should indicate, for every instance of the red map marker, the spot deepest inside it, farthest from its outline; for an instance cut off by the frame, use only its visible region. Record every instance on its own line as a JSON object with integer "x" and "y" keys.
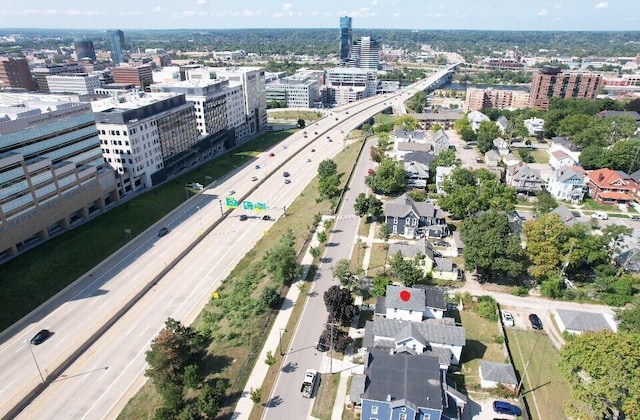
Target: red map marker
{"x": 405, "y": 295}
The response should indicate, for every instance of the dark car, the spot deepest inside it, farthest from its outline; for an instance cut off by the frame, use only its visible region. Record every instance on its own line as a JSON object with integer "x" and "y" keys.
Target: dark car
{"x": 535, "y": 321}
{"x": 287, "y": 181}
{"x": 272, "y": 154}
{"x": 313, "y": 150}
{"x": 41, "y": 337}
{"x": 503, "y": 407}
{"x": 441, "y": 243}
{"x": 163, "y": 232}
{"x": 322, "y": 345}
{"x": 266, "y": 217}
{"x": 243, "y": 217}
{"x": 286, "y": 174}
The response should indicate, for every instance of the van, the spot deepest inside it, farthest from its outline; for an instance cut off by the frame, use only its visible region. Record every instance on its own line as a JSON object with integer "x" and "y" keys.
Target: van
{"x": 600, "y": 215}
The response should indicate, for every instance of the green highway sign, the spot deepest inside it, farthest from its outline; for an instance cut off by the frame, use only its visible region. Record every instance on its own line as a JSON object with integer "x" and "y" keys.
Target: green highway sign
{"x": 259, "y": 206}
{"x": 247, "y": 205}
{"x": 231, "y": 202}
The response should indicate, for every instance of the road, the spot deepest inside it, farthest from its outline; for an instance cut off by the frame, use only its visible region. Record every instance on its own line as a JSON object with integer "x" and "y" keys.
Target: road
{"x": 115, "y": 359}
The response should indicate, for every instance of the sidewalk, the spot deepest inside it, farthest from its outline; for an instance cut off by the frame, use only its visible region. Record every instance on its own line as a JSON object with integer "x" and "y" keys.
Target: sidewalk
{"x": 272, "y": 344}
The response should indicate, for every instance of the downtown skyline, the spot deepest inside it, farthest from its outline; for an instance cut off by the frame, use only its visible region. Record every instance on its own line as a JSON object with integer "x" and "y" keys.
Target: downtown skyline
{"x": 537, "y": 15}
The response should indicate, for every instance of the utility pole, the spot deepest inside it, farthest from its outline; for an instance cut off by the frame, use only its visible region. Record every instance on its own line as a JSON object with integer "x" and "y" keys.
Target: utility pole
{"x": 280, "y": 343}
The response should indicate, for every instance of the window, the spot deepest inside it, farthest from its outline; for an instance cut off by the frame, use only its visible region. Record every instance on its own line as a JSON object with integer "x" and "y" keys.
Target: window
{"x": 374, "y": 409}
{"x": 402, "y": 416}
{"x": 395, "y": 220}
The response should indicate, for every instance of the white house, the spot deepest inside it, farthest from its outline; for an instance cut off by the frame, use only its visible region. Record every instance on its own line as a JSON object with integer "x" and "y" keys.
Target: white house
{"x": 411, "y": 303}
{"x": 492, "y": 374}
{"x": 578, "y": 322}
{"x": 567, "y": 183}
{"x": 565, "y": 145}
{"x": 492, "y": 158}
{"x": 558, "y": 158}
{"x": 511, "y": 160}
{"x": 442, "y": 172}
{"x": 502, "y": 145}
{"x": 535, "y": 126}
{"x": 503, "y": 124}
{"x": 475, "y": 118}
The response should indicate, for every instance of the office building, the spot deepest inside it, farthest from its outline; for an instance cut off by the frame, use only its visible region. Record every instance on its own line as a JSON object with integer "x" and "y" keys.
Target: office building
{"x": 297, "y": 91}
{"x": 140, "y": 77}
{"x": 40, "y": 73}
{"x": 365, "y": 54}
{"x": 146, "y": 137}
{"x": 52, "y": 173}
{"x": 116, "y": 40}
{"x": 80, "y": 83}
{"x": 551, "y": 82}
{"x": 346, "y": 38}
{"x": 14, "y": 72}
{"x": 344, "y": 85}
{"x": 84, "y": 49}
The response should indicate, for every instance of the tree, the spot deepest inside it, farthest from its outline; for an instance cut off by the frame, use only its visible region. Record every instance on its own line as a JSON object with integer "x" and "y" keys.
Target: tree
{"x": 210, "y": 399}
{"x": 487, "y": 132}
{"x": 629, "y": 319}
{"x": 256, "y": 395}
{"x": 376, "y": 154}
{"x": 602, "y": 369}
{"x": 329, "y": 187}
{"x": 343, "y": 273}
{"x": 375, "y": 206}
{"x": 445, "y": 158}
{"x": 270, "y": 359}
{"x": 380, "y": 284}
{"x": 546, "y": 202}
{"x": 593, "y": 157}
{"x": 192, "y": 376}
{"x": 270, "y": 297}
{"x": 327, "y": 168}
{"x": 280, "y": 260}
{"x": 389, "y": 178}
{"x": 338, "y": 340}
{"x": 407, "y": 122}
{"x": 408, "y": 271}
{"x": 339, "y": 303}
{"x": 491, "y": 247}
{"x": 436, "y": 127}
{"x": 301, "y": 123}
{"x": 553, "y": 286}
{"x": 361, "y": 205}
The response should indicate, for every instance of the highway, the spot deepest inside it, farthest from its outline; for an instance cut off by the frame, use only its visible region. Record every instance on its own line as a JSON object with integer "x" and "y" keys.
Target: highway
{"x": 109, "y": 370}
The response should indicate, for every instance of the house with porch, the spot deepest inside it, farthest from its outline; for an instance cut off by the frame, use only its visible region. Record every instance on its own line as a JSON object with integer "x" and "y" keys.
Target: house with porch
{"x": 409, "y": 218}
{"x": 559, "y": 158}
{"x": 607, "y": 186}
{"x": 442, "y": 172}
{"x": 524, "y": 179}
{"x": 417, "y": 170}
{"x": 431, "y": 263}
{"x": 475, "y": 118}
{"x": 411, "y": 303}
{"x": 439, "y": 141}
{"x": 503, "y": 124}
{"x": 501, "y": 145}
{"x": 567, "y": 183}
{"x": 565, "y": 145}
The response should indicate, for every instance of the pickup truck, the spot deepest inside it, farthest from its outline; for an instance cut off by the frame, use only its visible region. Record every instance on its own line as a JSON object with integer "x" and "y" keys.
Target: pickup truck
{"x": 309, "y": 383}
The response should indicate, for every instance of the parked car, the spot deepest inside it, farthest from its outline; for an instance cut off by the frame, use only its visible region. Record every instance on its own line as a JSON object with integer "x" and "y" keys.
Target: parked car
{"x": 163, "y": 232}
{"x": 600, "y": 215}
{"x": 467, "y": 147}
{"x": 443, "y": 244}
{"x": 535, "y": 321}
{"x": 40, "y": 337}
{"x": 243, "y": 217}
{"x": 313, "y": 150}
{"x": 503, "y": 407}
{"x": 635, "y": 217}
{"x": 257, "y": 166}
{"x": 507, "y": 319}
{"x": 322, "y": 346}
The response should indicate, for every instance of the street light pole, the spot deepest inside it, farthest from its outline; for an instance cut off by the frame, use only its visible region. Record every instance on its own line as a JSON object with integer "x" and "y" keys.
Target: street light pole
{"x": 280, "y": 343}
{"x": 221, "y": 211}
{"x": 199, "y": 218}
{"x": 35, "y": 361}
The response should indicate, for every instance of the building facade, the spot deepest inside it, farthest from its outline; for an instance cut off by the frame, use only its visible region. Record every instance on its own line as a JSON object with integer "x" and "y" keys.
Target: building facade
{"x": 141, "y": 76}
{"x": 40, "y": 73}
{"x": 346, "y": 38}
{"x": 84, "y": 49}
{"x": 116, "y": 40}
{"x": 298, "y": 91}
{"x": 551, "y": 82}
{"x": 365, "y": 54}
{"x": 80, "y": 83}
{"x": 476, "y": 99}
{"x": 52, "y": 173}
{"x": 349, "y": 84}
{"x": 146, "y": 137}
{"x": 15, "y": 73}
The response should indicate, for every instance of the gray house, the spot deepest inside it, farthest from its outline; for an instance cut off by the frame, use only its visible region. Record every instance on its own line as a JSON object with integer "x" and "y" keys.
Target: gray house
{"x": 409, "y": 218}
{"x": 524, "y": 179}
{"x": 492, "y": 374}
{"x": 439, "y": 141}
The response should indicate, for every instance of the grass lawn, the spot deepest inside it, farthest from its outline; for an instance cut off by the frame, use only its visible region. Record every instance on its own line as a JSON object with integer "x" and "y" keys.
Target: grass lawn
{"x": 384, "y": 119}
{"x": 590, "y": 204}
{"x": 325, "y": 396}
{"x": 481, "y": 345}
{"x": 544, "y": 388}
{"x": 294, "y": 115}
{"x": 29, "y": 280}
{"x": 235, "y": 342}
{"x": 540, "y": 156}
{"x": 363, "y": 227}
{"x": 376, "y": 263}
{"x": 346, "y": 413}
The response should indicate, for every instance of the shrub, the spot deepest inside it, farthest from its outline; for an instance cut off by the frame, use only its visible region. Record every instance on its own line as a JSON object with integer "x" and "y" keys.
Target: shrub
{"x": 487, "y": 308}
{"x": 520, "y": 291}
{"x": 256, "y": 395}
{"x": 270, "y": 297}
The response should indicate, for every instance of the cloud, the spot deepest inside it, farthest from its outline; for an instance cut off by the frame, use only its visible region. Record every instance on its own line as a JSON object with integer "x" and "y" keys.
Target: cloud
{"x": 287, "y": 6}
{"x": 83, "y": 13}
{"x": 558, "y": 6}
{"x": 543, "y": 12}
{"x": 157, "y": 9}
{"x": 132, "y": 13}
{"x": 396, "y": 15}
{"x": 201, "y": 2}
{"x": 363, "y": 12}
{"x": 374, "y": 2}
{"x": 602, "y": 5}
{"x": 55, "y": 12}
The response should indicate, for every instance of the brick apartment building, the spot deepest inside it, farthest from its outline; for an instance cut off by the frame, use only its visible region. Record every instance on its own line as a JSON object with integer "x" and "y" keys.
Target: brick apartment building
{"x": 551, "y": 82}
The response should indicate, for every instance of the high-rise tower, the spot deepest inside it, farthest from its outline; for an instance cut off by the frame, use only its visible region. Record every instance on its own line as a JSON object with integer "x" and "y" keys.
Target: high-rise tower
{"x": 345, "y": 38}
{"x": 116, "y": 39}
{"x": 366, "y": 53}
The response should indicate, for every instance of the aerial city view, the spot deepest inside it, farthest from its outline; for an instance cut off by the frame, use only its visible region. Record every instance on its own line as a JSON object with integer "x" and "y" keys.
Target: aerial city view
{"x": 376, "y": 210}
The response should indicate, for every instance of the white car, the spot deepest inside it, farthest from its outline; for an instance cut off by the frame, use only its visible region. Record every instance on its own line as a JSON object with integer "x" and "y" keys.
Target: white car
{"x": 254, "y": 178}
{"x": 600, "y": 215}
{"x": 507, "y": 319}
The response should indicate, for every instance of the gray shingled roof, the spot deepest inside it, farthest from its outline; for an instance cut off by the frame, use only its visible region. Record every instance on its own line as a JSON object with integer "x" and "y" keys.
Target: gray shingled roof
{"x": 565, "y": 215}
{"x": 357, "y": 388}
{"x": 418, "y": 169}
{"x": 492, "y": 155}
{"x": 633, "y": 114}
{"x": 414, "y": 135}
{"x": 446, "y": 115}
{"x": 411, "y": 249}
{"x": 498, "y": 372}
{"x": 432, "y": 332}
{"x": 405, "y": 146}
{"x": 527, "y": 173}
{"x": 564, "y": 141}
{"x": 443, "y": 264}
{"x": 583, "y": 321}
{"x": 408, "y": 380}
{"x": 565, "y": 173}
{"x": 416, "y": 302}
{"x": 434, "y": 297}
{"x": 401, "y": 206}
{"x": 425, "y": 158}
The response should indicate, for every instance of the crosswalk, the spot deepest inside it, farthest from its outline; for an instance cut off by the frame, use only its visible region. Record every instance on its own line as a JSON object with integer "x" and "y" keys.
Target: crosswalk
{"x": 347, "y": 217}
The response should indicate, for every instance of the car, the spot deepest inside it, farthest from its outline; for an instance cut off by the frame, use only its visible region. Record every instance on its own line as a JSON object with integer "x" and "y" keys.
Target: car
{"x": 40, "y": 337}
{"x": 272, "y": 154}
{"x": 347, "y": 112}
{"x": 322, "y": 345}
{"x": 535, "y": 321}
{"x": 503, "y": 407}
{"x": 305, "y": 132}
{"x": 163, "y": 232}
{"x": 330, "y": 140}
{"x": 286, "y": 174}
{"x": 467, "y": 147}
{"x": 441, "y": 243}
{"x": 243, "y": 217}
{"x": 478, "y": 160}
{"x": 231, "y": 192}
{"x": 313, "y": 150}
{"x": 634, "y": 217}
{"x": 266, "y": 217}
{"x": 600, "y": 215}
{"x": 507, "y": 319}
{"x": 315, "y": 132}
{"x": 287, "y": 181}
{"x": 305, "y": 136}
{"x": 328, "y": 137}
{"x": 257, "y": 166}
{"x": 336, "y": 118}
{"x": 341, "y": 131}
{"x": 308, "y": 160}
{"x": 254, "y": 178}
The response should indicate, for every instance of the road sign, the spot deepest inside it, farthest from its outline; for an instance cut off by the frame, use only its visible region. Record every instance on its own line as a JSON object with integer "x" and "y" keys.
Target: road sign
{"x": 231, "y": 202}
{"x": 247, "y": 205}
{"x": 260, "y": 206}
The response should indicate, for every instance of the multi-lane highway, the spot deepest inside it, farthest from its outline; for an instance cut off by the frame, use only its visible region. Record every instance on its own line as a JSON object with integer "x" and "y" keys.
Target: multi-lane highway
{"x": 108, "y": 369}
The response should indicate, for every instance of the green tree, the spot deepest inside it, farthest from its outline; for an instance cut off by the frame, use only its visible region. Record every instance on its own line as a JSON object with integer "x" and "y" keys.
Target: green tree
{"x": 546, "y": 238}
{"x": 343, "y": 273}
{"x": 376, "y": 154}
{"x": 210, "y": 399}
{"x": 270, "y": 359}
{"x": 301, "y": 123}
{"x": 329, "y": 187}
{"x": 487, "y": 308}
{"x": 256, "y": 395}
{"x": 339, "y": 303}
{"x": 327, "y": 168}
{"x": 629, "y": 318}
{"x": 375, "y": 206}
{"x": 491, "y": 247}
{"x": 280, "y": 260}
{"x": 602, "y": 369}
{"x": 445, "y": 158}
{"x": 383, "y": 141}
{"x": 361, "y": 205}
{"x": 380, "y": 284}
{"x": 546, "y": 202}
{"x": 436, "y": 127}
{"x": 487, "y": 132}
{"x": 593, "y": 157}
{"x": 192, "y": 376}
{"x": 407, "y": 122}
{"x": 408, "y": 271}
{"x": 553, "y": 286}
{"x": 270, "y": 297}
{"x": 389, "y": 178}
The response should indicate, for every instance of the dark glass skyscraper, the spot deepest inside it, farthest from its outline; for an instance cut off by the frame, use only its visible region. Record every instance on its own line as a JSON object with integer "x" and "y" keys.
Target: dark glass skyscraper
{"x": 345, "y": 38}
{"x": 85, "y": 49}
{"x": 116, "y": 38}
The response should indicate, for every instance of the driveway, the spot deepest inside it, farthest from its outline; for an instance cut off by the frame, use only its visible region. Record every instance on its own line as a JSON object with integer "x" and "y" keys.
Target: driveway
{"x": 467, "y": 156}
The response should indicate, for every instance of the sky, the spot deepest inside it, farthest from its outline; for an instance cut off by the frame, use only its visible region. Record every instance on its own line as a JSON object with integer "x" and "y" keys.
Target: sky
{"x": 539, "y": 15}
